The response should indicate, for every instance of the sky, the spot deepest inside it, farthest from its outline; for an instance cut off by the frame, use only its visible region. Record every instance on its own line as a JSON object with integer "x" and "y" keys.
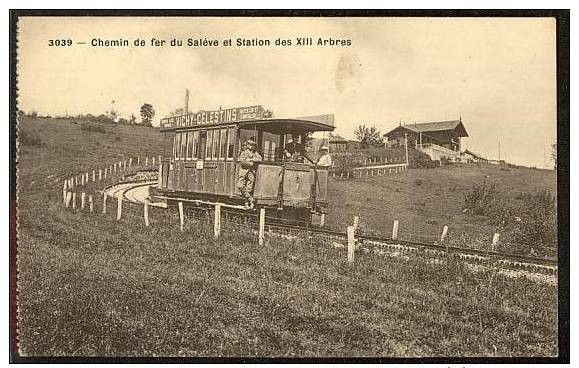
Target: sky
{"x": 497, "y": 74}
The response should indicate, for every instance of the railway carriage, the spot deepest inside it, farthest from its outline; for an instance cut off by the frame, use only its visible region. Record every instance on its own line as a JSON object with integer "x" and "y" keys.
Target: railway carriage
{"x": 203, "y": 166}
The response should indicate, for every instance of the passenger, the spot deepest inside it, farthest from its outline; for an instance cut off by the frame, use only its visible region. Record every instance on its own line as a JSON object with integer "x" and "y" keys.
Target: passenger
{"x": 294, "y": 152}
{"x": 325, "y": 159}
{"x": 247, "y": 159}
{"x": 290, "y": 150}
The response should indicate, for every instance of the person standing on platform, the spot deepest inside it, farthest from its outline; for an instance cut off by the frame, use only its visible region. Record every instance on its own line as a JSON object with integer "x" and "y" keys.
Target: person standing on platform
{"x": 325, "y": 159}
{"x": 248, "y": 159}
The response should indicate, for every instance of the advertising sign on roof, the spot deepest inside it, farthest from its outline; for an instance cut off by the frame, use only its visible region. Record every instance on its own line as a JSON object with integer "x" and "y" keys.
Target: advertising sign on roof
{"x": 213, "y": 117}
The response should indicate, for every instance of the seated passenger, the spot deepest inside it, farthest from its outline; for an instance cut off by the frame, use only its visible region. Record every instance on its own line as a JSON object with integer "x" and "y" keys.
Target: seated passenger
{"x": 289, "y": 150}
{"x": 294, "y": 152}
{"x": 325, "y": 159}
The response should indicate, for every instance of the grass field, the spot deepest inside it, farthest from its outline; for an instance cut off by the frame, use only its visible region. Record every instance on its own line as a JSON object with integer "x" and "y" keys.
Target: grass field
{"x": 91, "y": 286}
{"x": 424, "y": 200}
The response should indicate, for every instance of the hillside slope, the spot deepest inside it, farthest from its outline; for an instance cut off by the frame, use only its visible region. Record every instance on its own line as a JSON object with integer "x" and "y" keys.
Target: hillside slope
{"x": 91, "y": 286}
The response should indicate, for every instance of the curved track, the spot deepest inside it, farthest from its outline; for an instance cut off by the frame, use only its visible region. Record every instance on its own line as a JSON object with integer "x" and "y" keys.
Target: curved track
{"x": 136, "y": 192}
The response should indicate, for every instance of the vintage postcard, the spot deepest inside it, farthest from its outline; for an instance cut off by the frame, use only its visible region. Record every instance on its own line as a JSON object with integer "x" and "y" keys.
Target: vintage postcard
{"x": 294, "y": 187}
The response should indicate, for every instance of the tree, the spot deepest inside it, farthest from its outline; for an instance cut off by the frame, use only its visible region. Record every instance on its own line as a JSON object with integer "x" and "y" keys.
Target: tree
{"x": 177, "y": 112}
{"x": 113, "y": 114}
{"x": 147, "y": 114}
{"x": 368, "y": 136}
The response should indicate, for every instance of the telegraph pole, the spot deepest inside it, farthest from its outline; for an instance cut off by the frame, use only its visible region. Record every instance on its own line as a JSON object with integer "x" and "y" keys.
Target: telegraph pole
{"x": 186, "y": 101}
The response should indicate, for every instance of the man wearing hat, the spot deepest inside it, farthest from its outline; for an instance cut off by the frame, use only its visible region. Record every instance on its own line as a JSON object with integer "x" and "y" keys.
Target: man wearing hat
{"x": 325, "y": 159}
{"x": 290, "y": 150}
{"x": 247, "y": 159}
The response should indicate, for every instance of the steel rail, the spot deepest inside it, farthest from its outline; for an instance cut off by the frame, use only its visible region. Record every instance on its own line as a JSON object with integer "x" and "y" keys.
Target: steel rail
{"x": 488, "y": 254}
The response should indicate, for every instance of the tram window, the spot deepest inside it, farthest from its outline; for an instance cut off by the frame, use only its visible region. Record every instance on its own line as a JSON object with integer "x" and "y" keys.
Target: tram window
{"x": 244, "y": 135}
{"x": 184, "y": 138}
{"x": 223, "y": 143}
{"x": 194, "y": 143}
{"x": 216, "y": 144}
{"x": 230, "y": 142}
{"x": 202, "y": 144}
{"x": 177, "y": 146}
{"x": 188, "y": 146}
{"x": 208, "y": 144}
{"x": 270, "y": 142}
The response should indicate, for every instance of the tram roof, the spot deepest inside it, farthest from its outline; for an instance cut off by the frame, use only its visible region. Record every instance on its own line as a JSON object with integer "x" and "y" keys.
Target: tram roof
{"x": 291, "y": 124}
{"x": 313, "y": 124}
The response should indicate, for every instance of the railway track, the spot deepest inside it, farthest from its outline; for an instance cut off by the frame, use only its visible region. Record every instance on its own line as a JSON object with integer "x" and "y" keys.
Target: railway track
{"x": 136, "y": 192}
{"x": 502, "y": 258}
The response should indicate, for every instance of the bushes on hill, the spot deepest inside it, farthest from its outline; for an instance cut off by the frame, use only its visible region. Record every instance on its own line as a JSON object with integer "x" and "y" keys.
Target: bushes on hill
{"x": 529, "y": 219}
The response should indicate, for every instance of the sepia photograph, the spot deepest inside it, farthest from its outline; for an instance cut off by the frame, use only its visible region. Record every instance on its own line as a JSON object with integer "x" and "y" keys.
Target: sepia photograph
{"x": 290, "y": 186}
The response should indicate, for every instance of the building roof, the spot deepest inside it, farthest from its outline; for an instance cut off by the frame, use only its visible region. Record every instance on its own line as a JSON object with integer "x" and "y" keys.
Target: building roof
{"x": 434, "y": 126}
{"x": 476, "y": 155}
{"x": 334, "y": 138}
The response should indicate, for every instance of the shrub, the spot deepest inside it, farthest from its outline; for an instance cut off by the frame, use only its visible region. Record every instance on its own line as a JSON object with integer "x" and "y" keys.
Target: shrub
{"x": 538, "y": 219}
{"x": 419, "y": 160}
{"x": 484, "y": 199}
{"x": 529, "y": 218}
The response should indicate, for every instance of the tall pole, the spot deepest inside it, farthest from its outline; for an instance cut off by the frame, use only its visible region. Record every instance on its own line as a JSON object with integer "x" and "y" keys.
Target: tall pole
{"x": 406, "y": 146}
{"x": 186, "y": 101}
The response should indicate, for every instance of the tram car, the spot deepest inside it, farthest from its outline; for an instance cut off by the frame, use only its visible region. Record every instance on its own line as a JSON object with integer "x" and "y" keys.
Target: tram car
{"x": 204, "y": 164}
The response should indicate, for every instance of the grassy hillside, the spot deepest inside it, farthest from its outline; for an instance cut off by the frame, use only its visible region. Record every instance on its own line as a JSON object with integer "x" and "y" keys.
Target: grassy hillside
{"x": 424, "y": 200}
{"x": 91, "y": 286}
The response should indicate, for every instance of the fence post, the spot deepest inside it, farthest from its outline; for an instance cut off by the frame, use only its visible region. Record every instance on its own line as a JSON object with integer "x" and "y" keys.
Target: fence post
{"x": 395, "y": 230}
{"x": 100, "y": 174}
{"x": 73, "y": 200}
{"x": 138, "y": 160}
{"x": 153, "y": 161}
{"x": 130, "y": 161}
{"x": 217, "y": 220}
{"x": 356, "y": 221}
{"x": 64, "y": 193}
{"x": 82, "y": 180}
{"x": 104, "y": 203}
{"x": 119, "y": 207}
{"x": 159, "y": 161}
{"x": 82, "y": 200}
{"x": 68, "y": 199}
{"x": 495, "y": 240}
{"x": 147, "y": 161}
{"x": 181, "y": 216}
{"x": 261, "y": 226}
{"x": 443, "y": 235}
{"x": 322, "y": 219}
{"x": 90, "y": 203}
{"x": 146, "y": 211}
{"x": 351, "y": 244}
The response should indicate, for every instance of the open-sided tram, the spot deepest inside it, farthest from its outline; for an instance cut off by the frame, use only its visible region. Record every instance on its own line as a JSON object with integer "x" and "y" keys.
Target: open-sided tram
{"x": 204, "y": 163}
